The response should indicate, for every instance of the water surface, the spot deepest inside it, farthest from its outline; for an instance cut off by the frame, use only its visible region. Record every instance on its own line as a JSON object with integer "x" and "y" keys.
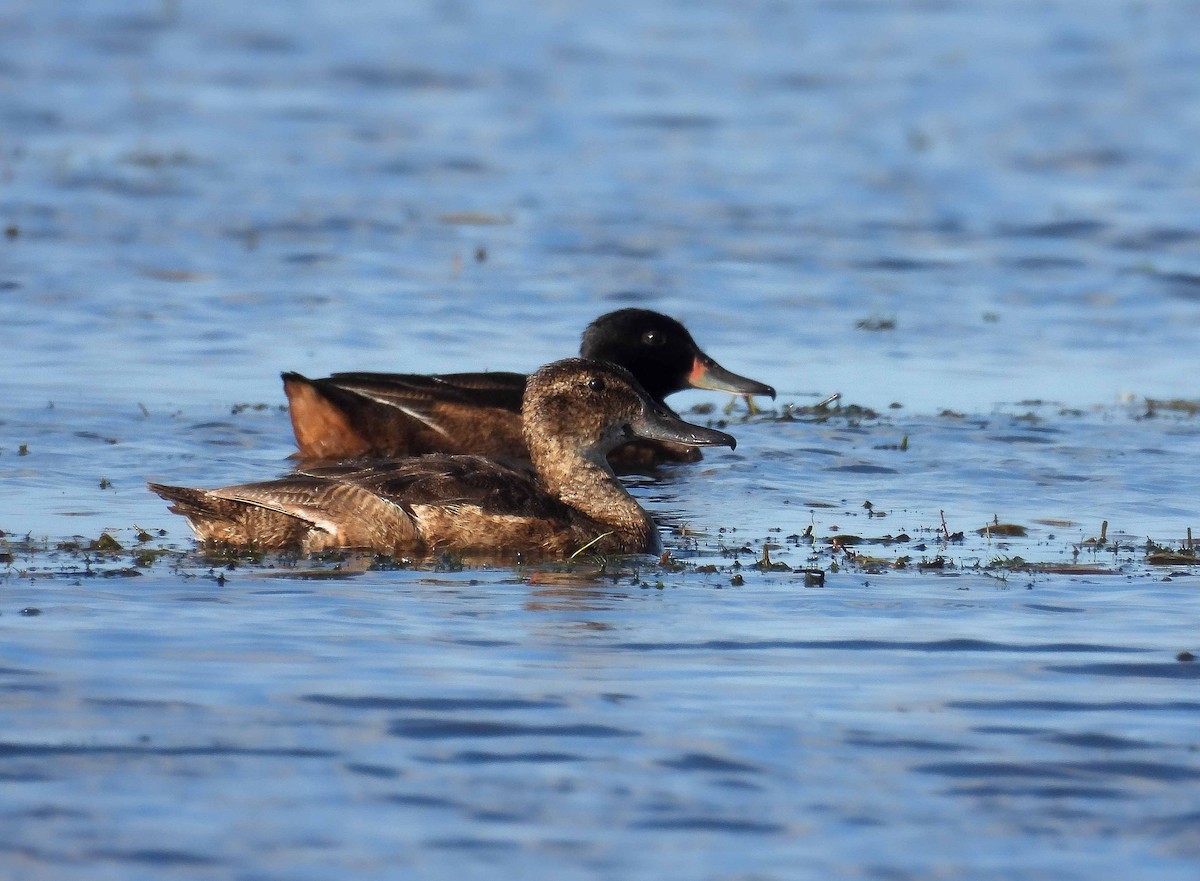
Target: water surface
{"x": 983, "y": 213}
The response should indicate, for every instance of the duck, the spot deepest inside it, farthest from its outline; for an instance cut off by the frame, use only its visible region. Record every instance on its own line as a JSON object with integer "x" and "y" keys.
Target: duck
{"x": 574, "y": 413}
{"x": 352, "y": 415}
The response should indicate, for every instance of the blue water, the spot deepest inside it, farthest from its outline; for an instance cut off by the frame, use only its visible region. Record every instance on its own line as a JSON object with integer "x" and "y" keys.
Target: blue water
{"x": 985, "y": 214}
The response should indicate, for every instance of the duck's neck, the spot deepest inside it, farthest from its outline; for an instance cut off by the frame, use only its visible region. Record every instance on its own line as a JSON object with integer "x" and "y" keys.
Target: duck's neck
{"x": 587, "y": 484}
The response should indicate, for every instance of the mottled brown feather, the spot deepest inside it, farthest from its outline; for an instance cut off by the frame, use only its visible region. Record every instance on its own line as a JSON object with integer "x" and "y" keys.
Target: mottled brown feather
{"x": 575, "y": 411}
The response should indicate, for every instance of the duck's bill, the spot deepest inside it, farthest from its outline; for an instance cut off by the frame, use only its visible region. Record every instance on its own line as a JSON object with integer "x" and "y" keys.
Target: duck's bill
{"x": 708, "y": 374}
{"x": 658, "y": 425}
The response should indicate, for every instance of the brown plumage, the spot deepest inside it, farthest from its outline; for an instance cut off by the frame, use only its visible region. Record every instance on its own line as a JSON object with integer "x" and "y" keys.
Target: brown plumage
{"x": 391, "y": 414}
{"x": 574, "y": 413}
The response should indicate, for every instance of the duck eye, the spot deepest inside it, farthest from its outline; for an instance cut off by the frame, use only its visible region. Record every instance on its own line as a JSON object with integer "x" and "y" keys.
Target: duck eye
{"x": 596, "y": 384}
{"x": 654, "y": 338}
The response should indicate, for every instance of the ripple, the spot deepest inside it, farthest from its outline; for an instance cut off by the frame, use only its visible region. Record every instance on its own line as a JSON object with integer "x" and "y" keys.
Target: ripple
{"x": 1058, "y": 229}
{"x": 1021, "y": 439}
{"x": 380, "y": 772}
{"x": 1090, "y": 160}
{"x": 471, "y": 843}
{"x": 12, "y": 750}
{"x": 24, "y": 777}
{"x": 376, "y": 76}
{"x": 1042, "y": 263}
{"x": 444, "y": 704}
{"x": 153, "y": 856}
{"x": 480, "y": 757}
{"x": 903, "y": 743}
{"x": 870, "y": 645}
{"x": 438, "y": 729}
{"x": 1099, "y": 741}
{"x": 992, "y": 790}
{"x": 711, "y": 824}
{"x": 1139, "y": 770}
{"x": 1153, "y": 239}
{"x": 606, "y": 248}
{"x": 1003, "y": 770}
{"x": 1133, "y": 671}
{"x": 707, "y": 762}
{"x": 49, "y": 812}
{"x": 1160, "y": 771}
{"x": 1006, "y": 706}
{"x": 902, "y": 264}
{"x": 419, "y": 800}
{"x": 125, "y": 703}
{"x": 1185, "y": 285}
{"x": 668, "y": 121}
{"x": 862, "y": 468}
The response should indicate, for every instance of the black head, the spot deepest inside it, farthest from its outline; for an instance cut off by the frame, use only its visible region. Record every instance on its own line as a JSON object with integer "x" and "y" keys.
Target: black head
{"x": 661, "y": 354}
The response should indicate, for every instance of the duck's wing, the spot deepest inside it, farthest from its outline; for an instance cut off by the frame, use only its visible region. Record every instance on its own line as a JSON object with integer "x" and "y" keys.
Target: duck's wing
{"x": 299, "y": 511}
{"x": 500, "y": 487}
{"x": 392, "y": 414}
{"x": 469, "y": 504}
{"x": 502, "y": 391}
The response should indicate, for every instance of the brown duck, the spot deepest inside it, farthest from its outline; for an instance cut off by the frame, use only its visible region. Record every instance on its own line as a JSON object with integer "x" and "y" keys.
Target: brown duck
{"x": 389, "y": 414}
{"x": 575, "y": 412}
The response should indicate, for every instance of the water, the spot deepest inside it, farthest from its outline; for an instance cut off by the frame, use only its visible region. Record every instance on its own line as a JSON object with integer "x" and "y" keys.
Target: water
{"x": 983, "y": 213}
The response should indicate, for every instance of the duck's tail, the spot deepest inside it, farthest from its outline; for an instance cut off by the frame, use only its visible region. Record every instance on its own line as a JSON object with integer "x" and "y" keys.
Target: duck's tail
{"x": 228, "y": 521}
{"x": 321, "y": 419}
{"x": 185, "y": 500}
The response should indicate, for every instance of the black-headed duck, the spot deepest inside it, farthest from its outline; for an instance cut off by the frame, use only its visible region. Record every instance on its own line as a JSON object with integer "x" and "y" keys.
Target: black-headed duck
{"x": 574, "y": 413}
{"x": 388, "y": 414}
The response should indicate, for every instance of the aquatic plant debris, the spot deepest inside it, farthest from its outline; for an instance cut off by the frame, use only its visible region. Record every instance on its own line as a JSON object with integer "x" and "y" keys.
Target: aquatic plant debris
{"x": 801, "y": 558}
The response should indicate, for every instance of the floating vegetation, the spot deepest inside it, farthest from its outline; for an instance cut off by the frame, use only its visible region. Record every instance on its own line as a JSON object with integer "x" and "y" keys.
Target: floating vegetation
{"x": 1172, "y": 558}
{"x": 107, "y": 544}
{"x": 1164, "y": 555}
{"x": 1102, "y": 540}
{"x": 1174, "y": 405}
{"x": 1002, "y": 530}
{"x": 237, "y": 409}
{"x": 947, "y": 534}
{"x": 822, "y": 412}
{"x": 1017, "y": 563}
{"x": 765, "y": 564}
{"x": 752, "y": 409}
{"x": 779, "y": 558}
